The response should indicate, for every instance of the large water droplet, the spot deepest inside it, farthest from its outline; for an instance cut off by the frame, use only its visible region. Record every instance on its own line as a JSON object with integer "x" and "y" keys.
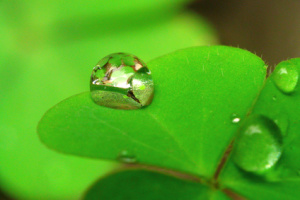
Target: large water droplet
{"x": 285, "y": 77}
{"x": 126, "y": 157}
{"x": 258, "y": 145}
{"x": 121, "y": 81}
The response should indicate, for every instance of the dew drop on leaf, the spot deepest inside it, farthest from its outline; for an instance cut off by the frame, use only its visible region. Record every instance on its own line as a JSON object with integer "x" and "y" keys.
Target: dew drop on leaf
{"x": 127, "y": 157}
{"x": 258, "y": 145}
{"x": 121, "y": 81}
{"x": 282, "y": 121}
{"x": 235, "y": 118}
{"x": 285, "y": 77}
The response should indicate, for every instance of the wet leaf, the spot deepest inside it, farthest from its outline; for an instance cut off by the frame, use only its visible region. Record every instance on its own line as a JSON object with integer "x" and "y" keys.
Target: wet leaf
{"x": 188, "y": 125}
{"x": 204, "y": 98}
{"x": 279, "y": 103}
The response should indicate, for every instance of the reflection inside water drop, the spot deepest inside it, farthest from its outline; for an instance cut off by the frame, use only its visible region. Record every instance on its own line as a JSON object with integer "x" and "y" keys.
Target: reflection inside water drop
{"x": 121, "y": 81}
{"x": 258, "y": 146}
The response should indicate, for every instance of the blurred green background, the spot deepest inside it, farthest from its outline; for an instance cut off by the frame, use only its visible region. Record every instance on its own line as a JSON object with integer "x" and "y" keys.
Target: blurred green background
{"x": 48, "y": 50}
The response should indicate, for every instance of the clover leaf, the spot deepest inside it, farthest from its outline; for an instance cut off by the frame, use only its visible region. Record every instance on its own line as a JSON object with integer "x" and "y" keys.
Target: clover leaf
{"x": 204, "y": 99}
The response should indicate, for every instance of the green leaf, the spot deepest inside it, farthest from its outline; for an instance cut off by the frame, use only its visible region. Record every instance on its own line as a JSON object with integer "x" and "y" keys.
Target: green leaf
{"x": 278, "y": 101}
{"x": 187, "y": 127}
{"x": 281, "y": 106}
{"x": 256, "y": 187}
{"x": 139, "y": 184}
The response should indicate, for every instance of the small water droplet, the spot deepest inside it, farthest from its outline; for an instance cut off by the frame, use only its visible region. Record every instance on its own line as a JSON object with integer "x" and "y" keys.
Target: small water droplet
{"x": 119, "y": 75}
{"x": 127, "y": 157}
{"x": 274, "y": 98}
{"x": 282, "y": 122}
{"x": 285, "y": 77}
{"x": 235, "y": 118}
{"x": 258, "y": 145}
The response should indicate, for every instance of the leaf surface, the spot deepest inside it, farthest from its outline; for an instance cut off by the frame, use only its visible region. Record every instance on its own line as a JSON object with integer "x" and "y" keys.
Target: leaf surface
{"x": 139, "y": 184}
{"x": 283, "y": 181}
{"x": 187, "y": 127}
